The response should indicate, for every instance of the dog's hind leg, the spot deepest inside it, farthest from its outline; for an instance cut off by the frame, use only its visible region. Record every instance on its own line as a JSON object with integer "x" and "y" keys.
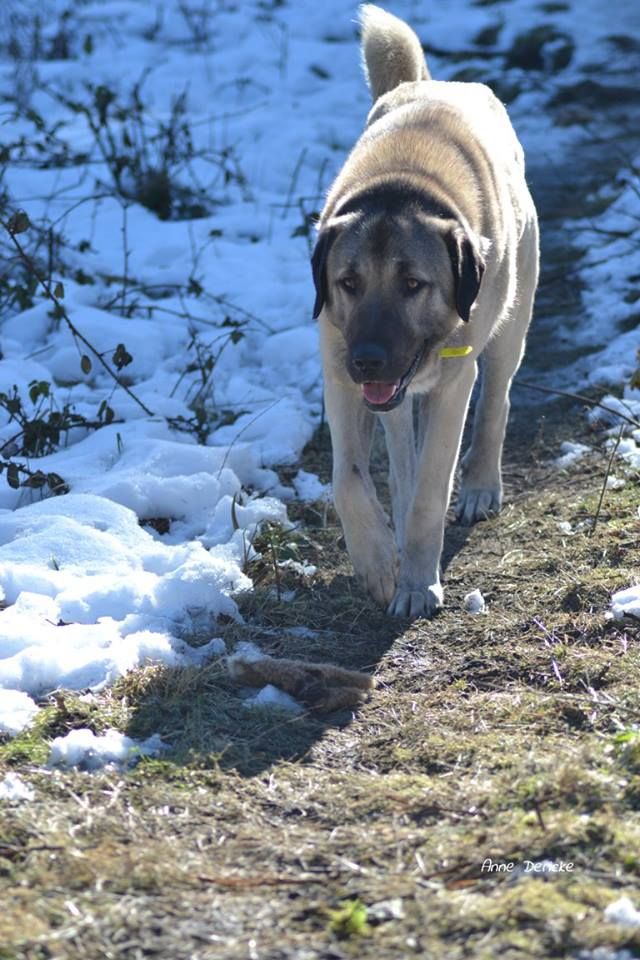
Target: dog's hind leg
{"x": 401, "y": 446}
{"x": 480, "y": 493}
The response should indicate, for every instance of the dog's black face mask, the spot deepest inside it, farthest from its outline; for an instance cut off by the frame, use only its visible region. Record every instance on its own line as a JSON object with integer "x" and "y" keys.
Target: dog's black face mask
{"x": 396, "y": 287}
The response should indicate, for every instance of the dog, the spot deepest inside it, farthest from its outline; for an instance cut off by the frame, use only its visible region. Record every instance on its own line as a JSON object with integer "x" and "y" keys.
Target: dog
{"x": 425, "y": 267}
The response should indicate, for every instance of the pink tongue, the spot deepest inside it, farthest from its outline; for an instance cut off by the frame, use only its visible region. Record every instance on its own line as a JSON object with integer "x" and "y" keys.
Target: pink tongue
{"x": 379, "y": 392}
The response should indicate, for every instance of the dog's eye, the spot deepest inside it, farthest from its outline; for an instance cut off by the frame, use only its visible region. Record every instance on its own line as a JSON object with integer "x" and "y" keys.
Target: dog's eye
{"x": 348, "y": 284}
{"x": 412, "y": 285}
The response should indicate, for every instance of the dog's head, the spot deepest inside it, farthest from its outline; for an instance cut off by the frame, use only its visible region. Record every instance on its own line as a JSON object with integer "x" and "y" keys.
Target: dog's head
{"x": 396, "y": 284}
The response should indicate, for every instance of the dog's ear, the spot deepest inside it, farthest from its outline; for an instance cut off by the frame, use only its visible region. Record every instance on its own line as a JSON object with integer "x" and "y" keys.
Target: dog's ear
{"x": 468, "y": 266}
{"x": 319, "y": 267}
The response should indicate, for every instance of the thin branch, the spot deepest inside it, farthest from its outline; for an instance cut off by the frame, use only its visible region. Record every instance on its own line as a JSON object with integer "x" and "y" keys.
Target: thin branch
{"x": 26, "y": 259}
{"x": 614, "y": 450}
{"x": 125, "y": 243}
{"x": 581, "y": 397}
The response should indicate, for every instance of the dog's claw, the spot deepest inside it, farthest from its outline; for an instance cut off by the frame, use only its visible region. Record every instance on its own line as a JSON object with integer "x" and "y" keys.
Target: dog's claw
{"x": 478, "y": 504}
{"x": 413, "y": 602}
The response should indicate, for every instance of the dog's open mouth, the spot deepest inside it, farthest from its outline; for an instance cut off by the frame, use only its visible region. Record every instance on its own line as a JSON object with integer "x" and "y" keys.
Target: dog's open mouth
{"x": 381, "y": 396}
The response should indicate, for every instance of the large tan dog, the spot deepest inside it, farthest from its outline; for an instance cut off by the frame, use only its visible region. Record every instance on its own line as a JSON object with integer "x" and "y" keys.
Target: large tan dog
{"x": 425, "y": 266}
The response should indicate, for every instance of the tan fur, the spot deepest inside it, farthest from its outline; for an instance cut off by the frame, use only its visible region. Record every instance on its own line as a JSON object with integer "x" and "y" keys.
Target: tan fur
{"x": 391, "y": 52}
{"x": 320, "y": 686}
{"x": 434, "y": 187}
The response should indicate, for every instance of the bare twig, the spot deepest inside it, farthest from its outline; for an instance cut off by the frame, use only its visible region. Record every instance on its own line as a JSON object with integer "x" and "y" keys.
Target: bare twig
{"x": 276, "y": 571}
{"x": 125, "y": 267}
{"x": 606, "y": 477}
{"x": 583, "y": 399}
{"x": 261, "y": 413}
{"x": 26, "y": 259}
{"x": 294, "y": 180}
{"x": 264, "y": 881}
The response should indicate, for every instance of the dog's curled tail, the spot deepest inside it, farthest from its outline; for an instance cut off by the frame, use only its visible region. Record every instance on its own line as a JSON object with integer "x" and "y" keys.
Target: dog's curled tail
{"x": 391, "y": 51}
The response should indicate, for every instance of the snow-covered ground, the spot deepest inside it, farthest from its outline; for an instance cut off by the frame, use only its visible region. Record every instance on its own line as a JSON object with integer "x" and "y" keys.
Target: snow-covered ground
{"x": 214, "y": 310}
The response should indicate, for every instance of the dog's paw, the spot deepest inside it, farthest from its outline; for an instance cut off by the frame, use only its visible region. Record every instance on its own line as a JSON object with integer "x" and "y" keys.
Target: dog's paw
{"x": 477, "y": 503}
{"x": 379, "y": 573}
{"x": 416, "y": 602}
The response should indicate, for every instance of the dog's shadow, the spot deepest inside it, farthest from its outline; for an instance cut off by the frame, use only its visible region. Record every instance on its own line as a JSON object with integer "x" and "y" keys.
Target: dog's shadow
{"x": 208, "y": 715}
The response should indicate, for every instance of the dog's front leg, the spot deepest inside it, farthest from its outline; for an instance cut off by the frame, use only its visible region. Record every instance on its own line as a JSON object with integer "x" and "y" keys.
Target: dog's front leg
{"x": 401, "y": 447}
{"x": 419, "y": 592}
{"x": 364, "y": 522}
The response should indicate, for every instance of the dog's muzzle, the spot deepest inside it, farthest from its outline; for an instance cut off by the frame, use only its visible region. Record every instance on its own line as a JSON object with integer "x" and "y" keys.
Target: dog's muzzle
{"x": 384, "y": 396}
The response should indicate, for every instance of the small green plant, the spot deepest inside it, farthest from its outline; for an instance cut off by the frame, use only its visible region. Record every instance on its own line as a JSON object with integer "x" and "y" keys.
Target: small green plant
{"x": 627, "y": 748}
{"x": 206, "y": 354}
{"x": 41, "y": 430}
{"x": 349, "y": 919}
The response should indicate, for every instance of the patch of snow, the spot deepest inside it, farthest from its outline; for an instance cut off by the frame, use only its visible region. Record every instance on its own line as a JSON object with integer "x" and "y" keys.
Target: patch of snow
{"x": 565, "y": 527}
{"x": 626, "y": 602}
{"x": 615, "y": 483}
{"x": 474, "y": 602}
{"x": 83, "y": 749}
{"x": 13, "y": 787}
{"x": 304, "y": 569}
{"x": 246, "y": 652}
{"x": 17, "y": 710}
{"x": 628, "y": 406}
{"x": 270, "y": 697}
{"x": 623, "y": 911}
{"x": 309, "y": 487}
{"x": 570, "y": 453}
{"x": 628, "y": 450}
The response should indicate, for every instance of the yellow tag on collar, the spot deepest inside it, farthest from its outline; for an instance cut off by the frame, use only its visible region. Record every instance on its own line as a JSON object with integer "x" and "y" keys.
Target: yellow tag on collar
{"x": 456, "y": 351}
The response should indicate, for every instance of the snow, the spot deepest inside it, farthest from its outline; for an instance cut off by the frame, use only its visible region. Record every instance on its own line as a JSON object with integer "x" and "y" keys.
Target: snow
{"x": 612, "y": 258}
{"x": 627, "y": 406}
{"x": 626, "y": 602}
{"x": 474, "y": 602}
{"x": 13, "y": 787}
{"x": 303, "y": 569}
{"x": 615, "y": 483}
{"x": 216, "y": 314}
{"x": 83, "y": 749}
{"x": 570, "y": 453}
{"x": 623, "y": 911}
{"x": 245, "y": 652}
{"x": 270, "y": 697}
{"x": 92, "y": 594}
{"x": 309, "y": 487}
{"x": 17, "y": 710}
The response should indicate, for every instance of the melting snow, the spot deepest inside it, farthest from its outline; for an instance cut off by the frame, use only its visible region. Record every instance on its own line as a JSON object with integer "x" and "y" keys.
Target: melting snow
{"x": 83, "y": 749}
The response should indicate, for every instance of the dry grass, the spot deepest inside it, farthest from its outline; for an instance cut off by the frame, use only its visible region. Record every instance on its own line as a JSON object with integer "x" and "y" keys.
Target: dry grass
{"x": 363, "y": 835}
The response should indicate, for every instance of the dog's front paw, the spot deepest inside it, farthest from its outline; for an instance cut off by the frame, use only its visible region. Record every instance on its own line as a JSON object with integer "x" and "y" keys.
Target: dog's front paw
{"x": 378, "y": 573}
{"x": 416, "y": 602}
{"x": 478, "y": 503}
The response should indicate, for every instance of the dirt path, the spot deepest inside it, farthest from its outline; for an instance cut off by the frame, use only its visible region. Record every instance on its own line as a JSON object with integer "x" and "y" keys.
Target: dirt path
{"x": 489, "y": 738}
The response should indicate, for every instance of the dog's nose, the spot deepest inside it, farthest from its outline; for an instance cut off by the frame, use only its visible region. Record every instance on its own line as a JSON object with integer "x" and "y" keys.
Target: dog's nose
{"x": 368, "y": 358}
